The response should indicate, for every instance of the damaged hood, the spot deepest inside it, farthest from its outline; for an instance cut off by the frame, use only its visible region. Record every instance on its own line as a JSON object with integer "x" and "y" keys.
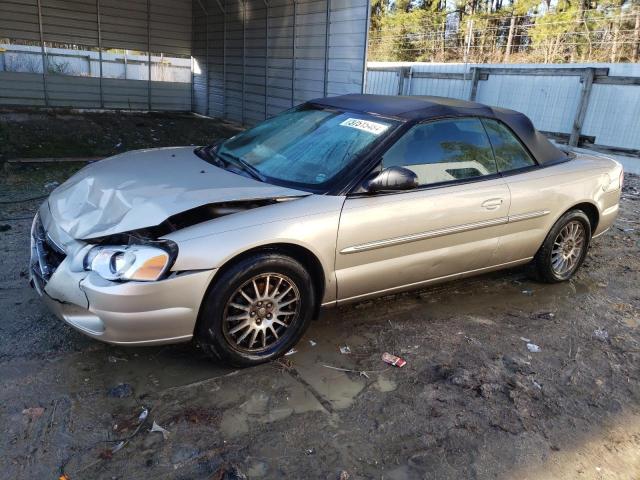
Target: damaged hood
{"x": 143, "y": 188}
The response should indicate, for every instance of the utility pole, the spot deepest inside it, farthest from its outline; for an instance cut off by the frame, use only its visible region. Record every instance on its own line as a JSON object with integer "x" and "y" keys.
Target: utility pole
{"x": 512, "y": 27}
{"x": 636, "y": 38}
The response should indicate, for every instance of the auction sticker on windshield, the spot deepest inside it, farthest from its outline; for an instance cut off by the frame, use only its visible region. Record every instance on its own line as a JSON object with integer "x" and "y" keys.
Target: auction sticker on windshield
{"x": 365, "y": 125}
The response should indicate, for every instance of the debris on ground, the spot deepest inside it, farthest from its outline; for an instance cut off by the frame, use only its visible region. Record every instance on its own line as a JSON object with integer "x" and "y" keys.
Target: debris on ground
{"x": 291, "y": 352}
{"x": 472, "y": 341}
{"x": 601, "y": 334}
{"x": 345, "y": 350}
{"x": 533, "y": 348}
{"x": 113, "y": 359}
{"x": 157, "y": 428}
{"x": 312, "y": 343}
{"x": 527, "y": 292}
{"x": 33, "y": 412}
{"x": 362, "y": 373}
{"x": 310, "y": 451}
{"x": 122, "y": 390}
{"x": 107, "y": 454}
{"x": 393, "y": 360}
{"x": 344, "y": 475}
{"x": 143, "y": 415}
{"x": 525, "y": 339}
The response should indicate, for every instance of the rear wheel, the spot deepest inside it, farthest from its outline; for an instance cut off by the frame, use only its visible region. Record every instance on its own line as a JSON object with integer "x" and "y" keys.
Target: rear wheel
{"x": 564, "y": 249}
{"x": 257, "y": 310}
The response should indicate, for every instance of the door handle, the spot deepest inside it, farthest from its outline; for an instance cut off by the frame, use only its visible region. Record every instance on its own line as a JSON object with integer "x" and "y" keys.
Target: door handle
{"x": 492, "y": 203}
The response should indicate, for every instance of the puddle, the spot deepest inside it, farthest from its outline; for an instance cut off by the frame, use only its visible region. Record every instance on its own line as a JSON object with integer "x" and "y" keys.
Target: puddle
{"x": 384, "y": 384}
{"x": 285, "y": 398}
{"x": 155, "y": 369}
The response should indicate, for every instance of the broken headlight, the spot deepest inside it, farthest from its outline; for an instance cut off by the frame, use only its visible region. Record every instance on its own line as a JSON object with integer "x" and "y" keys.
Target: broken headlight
{"x": 143, "y": 263}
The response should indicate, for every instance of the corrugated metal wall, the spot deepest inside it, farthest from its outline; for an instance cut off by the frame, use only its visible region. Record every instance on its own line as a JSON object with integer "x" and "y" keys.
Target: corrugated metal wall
{"x": 152, "y": 26}
{"x": 613, "y": 114}
{"x": 256, "y": 58}
{"x": 251, "y": 58}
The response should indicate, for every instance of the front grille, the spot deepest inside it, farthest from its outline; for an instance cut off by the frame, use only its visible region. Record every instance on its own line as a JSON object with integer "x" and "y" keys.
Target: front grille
{"x": 46, "y": 256}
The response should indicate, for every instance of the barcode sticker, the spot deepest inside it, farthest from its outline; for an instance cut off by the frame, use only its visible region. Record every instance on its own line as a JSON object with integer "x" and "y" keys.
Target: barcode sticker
{"x": 365, "y": 125}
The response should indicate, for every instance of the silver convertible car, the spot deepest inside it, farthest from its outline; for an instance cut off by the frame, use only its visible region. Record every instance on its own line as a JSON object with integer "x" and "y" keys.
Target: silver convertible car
{"x": 240, "y": 243}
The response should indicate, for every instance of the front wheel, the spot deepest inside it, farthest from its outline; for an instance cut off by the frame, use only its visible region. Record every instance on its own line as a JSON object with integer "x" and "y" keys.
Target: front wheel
{"x": 256, "y": 310}
{"x": 564, "y": 249}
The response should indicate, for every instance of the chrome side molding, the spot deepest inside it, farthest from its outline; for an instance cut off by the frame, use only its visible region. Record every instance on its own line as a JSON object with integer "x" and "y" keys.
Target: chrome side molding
{"x": 415, "y": 237}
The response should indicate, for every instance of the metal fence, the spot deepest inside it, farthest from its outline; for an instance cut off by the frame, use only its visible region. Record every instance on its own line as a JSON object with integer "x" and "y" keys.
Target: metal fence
{"x": 96, "y": 53}
{"x": 249, "y": 59}
{"x": 592, "y": 103}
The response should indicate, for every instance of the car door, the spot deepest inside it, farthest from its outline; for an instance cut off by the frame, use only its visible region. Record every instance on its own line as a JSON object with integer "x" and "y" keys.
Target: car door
{"x": 534, "y": 194}
{"x": 450, "y": 224}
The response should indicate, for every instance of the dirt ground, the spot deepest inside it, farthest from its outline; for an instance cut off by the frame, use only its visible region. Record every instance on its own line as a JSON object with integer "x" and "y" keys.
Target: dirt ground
{"x": 472, "y": 402}
{"x": 59, "y": 133}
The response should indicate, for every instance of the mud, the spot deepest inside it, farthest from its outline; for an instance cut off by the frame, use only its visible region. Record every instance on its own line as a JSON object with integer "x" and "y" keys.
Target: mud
{"x": 472, "y": 401}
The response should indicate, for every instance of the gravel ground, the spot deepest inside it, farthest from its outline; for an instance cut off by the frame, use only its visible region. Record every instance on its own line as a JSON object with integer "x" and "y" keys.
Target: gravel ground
{"x": 472, "y": 401}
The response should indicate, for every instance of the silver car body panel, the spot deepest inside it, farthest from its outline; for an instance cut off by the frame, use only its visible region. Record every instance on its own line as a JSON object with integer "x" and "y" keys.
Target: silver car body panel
{"x": 310, "y": 222}
{"x": 366, "y": 245}
{"x": 143, "y": 188}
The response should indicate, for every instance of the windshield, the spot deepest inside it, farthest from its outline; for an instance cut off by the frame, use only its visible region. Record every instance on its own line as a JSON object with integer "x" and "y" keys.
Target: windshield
{"x": 306, "y": 147}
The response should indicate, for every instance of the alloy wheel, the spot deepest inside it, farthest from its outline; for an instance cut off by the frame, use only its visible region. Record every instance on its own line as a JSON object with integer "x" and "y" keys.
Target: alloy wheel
{"x": 567, "y": 248}
{"x": 260, "y": 312}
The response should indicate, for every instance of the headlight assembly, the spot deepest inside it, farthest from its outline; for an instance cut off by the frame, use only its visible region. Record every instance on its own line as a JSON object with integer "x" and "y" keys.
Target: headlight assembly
{"x": 139, "y": 262}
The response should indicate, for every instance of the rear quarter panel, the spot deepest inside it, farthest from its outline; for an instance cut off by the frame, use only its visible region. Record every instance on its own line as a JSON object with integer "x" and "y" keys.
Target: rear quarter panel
{"x": 556, "y": 189}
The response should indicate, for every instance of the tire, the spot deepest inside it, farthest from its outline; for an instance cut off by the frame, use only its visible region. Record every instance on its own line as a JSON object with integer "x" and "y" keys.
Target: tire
{"x": 557, "y": 260}
{"x": 272, "y": 294}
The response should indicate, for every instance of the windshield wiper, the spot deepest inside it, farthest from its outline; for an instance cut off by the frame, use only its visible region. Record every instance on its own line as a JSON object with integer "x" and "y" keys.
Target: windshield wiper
{"x": 208, "y": 154}
{"x": 242, "y": 165}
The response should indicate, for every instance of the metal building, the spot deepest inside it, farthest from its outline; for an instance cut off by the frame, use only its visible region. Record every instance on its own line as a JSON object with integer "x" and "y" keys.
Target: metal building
{"x": 239, "y": 59}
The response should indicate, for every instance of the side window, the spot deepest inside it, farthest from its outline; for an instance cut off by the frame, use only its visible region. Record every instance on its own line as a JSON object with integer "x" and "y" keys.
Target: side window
{"x": 443, "y": 151}
{"x": 509, "y": 152}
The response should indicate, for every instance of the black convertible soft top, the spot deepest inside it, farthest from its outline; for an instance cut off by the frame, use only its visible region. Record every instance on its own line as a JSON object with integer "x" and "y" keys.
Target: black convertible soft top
{"x": 419, "y": 108}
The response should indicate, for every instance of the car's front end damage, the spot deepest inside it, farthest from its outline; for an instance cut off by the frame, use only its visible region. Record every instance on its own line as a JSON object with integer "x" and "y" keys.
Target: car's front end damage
{"x": 100, "y": 258}
{"x": 121, "y": 311}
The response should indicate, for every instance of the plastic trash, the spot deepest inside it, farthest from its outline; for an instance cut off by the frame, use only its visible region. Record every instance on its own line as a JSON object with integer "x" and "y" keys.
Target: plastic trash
{"x": 291, "y": 352}
{"x": 157, "y": 428}
{"x": 393, "y": 360}
{"x": 345, "y": 350}
{"x": 601, "y": 334}
{"x": 533, "y": 348}
{"x": 143, "y": 415}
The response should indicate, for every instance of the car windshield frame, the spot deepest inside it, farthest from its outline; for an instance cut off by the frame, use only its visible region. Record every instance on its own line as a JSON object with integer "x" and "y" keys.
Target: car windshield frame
{"x": 340, "y": 177}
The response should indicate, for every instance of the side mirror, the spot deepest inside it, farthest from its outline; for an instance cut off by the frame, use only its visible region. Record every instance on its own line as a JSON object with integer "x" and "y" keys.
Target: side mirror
{"x": 392, "y": 179}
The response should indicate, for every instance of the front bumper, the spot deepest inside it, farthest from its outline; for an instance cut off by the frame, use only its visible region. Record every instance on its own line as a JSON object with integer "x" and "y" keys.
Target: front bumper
{"x": 127, "y": 313}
